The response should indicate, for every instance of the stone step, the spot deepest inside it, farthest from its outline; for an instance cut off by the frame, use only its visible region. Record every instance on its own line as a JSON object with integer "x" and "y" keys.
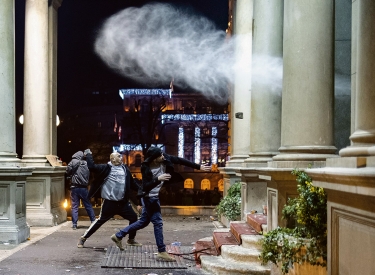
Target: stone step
{"x": 239, "y": 228}
{"x": 251, "y": 241}
{"x": 220, "y": 266}
{"x": 256, "y": 221}
{"x": 223, "y": 238}
{"x": 240, "y": 254}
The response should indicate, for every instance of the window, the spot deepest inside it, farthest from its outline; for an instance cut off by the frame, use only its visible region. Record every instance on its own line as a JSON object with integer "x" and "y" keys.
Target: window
{"x": 189, "y": 184}
{"x": 205, "y": 184}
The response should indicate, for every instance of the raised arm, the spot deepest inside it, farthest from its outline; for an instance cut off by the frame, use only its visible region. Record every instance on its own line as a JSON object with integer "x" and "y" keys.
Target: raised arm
{"x": 185, "y": 162}
{"x": 90, "y": 162}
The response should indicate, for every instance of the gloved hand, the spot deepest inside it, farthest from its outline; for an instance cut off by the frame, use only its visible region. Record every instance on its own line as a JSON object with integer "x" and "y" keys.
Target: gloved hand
{"x": 87, "y": 151}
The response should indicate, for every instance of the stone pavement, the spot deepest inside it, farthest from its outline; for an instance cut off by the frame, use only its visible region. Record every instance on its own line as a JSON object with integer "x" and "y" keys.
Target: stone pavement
{"x": 53, "y": 250}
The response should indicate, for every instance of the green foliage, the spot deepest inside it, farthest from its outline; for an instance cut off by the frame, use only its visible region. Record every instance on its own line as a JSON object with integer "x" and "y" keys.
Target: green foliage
{"x": 309, "y": 209}
{"x": 230, "y": 205}
{"x": 283, "y": 245}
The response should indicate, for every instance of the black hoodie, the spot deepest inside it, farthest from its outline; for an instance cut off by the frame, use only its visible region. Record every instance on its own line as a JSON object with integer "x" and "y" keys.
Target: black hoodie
{"x": 78, "y": 170}
{"x": 149, "y": 181}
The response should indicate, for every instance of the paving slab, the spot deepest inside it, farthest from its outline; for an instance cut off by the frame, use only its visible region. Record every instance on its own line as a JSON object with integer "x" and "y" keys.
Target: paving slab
{"x": 53, "y": 250}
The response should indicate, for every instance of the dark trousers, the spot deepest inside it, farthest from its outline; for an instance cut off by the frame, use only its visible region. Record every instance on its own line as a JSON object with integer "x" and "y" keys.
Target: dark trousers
{"x": 151, "y": 213}
{"x": 108, "y": 210}
{"x": 76, "y": 195}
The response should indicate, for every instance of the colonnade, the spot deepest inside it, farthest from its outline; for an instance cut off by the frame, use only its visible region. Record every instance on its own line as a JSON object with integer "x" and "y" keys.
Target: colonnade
{"x": 32, "y": 188}
{"x": 296, "y": 130}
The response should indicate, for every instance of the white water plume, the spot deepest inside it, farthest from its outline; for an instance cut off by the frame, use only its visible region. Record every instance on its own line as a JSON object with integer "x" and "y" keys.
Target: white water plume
{"x": 158, "y": 42}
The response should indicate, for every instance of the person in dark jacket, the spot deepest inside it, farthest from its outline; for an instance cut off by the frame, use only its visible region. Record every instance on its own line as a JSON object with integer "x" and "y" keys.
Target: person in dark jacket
{"x": 114, "y": 182}
{"x": 79, "y": 173}
{"x": 157, "y": 169}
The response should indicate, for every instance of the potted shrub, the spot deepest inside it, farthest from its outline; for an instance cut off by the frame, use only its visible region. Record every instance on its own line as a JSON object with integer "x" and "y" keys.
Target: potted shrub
{"x": 307, "y": 241}
{"x": 230, "y": 205}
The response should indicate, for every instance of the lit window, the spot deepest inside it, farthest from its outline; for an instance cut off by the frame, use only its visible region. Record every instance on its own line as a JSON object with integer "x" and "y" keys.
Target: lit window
{"x": 214, "y": 146}
{"x": 197, "y": 149}
{"x": 181, "y": 141}
{"x": 220, "y": 185}
{"x": 189, "y": 184}
{"x": 99, "y": 124}
{"x": 205, "y": 184}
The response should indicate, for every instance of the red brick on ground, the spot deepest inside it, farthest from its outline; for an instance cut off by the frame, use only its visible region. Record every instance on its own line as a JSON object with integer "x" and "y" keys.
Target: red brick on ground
{"x": 224, "y": 238}
{"x": 208, "y": 248}
{"x": 241, "y": 228}
{"x": 256, "y": 221}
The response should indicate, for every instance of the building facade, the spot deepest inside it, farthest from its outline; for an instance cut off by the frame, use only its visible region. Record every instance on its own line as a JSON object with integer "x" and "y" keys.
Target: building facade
{"x": 183, "y": 124}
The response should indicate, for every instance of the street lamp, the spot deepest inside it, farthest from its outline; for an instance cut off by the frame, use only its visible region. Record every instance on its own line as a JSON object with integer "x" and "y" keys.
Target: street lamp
{"x": 20, "y": 119}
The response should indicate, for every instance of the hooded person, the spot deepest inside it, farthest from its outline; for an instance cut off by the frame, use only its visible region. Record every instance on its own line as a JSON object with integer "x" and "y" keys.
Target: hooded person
{"x": 79, "y": 175}
{"x": 157, "y": 169}
{"x": 114, "y": 182}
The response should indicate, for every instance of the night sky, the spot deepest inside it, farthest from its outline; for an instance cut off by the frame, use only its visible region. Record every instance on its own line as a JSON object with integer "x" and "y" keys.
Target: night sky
{"x": 79, "y": 68}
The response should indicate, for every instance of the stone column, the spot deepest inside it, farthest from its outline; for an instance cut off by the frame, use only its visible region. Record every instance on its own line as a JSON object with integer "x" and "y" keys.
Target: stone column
{"x": 37, "y": 128}
{"x": 52, "y": 71}
{"x": 363, "y": 138}
{"x": 353, "y": 72}
{"x": 45, "y": 191}
{"x": 13, "y": 226}
{"x": 307, "y": 103}
{"x": 266, "y": 82}
{"x": 8, "y": 156}
{"x": 265, "y": 101}
{"x": 241, "y": 98}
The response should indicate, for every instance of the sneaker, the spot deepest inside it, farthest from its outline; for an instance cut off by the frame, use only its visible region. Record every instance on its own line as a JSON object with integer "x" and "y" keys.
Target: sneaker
{"x": 164, "y": 256}
{"x": 133, "y": 242}
{"x": 117, "y": 241}
{"x": 81, "y": 242}
{"x": 74, "y": 227}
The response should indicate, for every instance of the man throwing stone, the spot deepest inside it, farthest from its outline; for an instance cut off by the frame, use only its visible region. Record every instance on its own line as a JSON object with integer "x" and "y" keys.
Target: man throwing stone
{"x": 114, "y": 182}
{"x": 157, "y": 169}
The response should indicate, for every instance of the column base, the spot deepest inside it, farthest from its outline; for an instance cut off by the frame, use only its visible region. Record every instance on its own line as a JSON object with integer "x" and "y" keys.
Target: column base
{"x": 14, "y": 234}
{"x": 236, "y": 161}
{"x": 281, "y": 185}
{"x": 297, "y": 164}
{"x": 251, "y": 191}
{"x": 303, "y": 156}
{"x": 9, "y": 160}
{"x": 35, "y": 160}
{"x": 42, "y": 218}
{"x": 13, "y": 226}
{"x": 259, "y": 159}
{"x": 253, "y": 197}
{"x": 45, "y": 195}
{"x": 357, "y": 150}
